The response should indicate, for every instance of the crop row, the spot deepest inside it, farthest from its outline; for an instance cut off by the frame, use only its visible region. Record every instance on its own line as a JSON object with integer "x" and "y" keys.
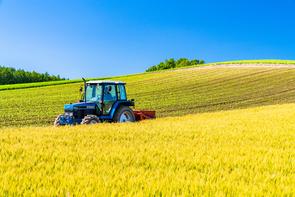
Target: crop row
{"x": 170, "y": 94}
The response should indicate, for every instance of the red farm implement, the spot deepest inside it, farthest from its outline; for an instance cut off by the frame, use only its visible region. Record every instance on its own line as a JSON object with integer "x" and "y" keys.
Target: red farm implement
{"x": 144, "y": 115}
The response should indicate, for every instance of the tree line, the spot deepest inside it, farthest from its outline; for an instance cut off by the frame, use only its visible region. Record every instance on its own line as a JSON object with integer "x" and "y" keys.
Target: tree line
{"x": 168, "y": 64}
{"x": 10, "y": 75}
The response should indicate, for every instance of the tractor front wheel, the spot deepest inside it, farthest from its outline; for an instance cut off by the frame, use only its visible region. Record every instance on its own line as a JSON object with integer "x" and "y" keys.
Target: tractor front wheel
{"x": 124, "y": 114}
{"x": 90, "y": 119}
{"x": 57, "y": 121}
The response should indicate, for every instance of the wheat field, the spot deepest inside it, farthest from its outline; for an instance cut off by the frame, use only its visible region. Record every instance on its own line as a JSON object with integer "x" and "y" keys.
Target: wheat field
{"x": 245, "y": 152}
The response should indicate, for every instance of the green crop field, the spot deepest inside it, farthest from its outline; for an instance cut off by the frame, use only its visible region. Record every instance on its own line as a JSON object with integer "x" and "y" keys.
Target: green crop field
{"x": 248, "y": 152}
{"x": 169, "y": 93}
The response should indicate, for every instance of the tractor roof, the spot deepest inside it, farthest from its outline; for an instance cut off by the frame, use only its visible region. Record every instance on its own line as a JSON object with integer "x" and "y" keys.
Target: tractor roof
{"x": 105, "y": 82}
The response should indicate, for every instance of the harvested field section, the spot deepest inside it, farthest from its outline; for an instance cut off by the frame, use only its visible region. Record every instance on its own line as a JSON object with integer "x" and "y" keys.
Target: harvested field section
{"x": 169, "y": 93}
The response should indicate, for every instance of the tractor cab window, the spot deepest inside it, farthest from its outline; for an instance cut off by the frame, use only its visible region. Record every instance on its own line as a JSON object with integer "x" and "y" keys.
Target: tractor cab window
{"x": 93, "y": 92}
{"x": 110, "y": 93}
{"x": 121, "y": 92}
{"x": 109, "y": 98}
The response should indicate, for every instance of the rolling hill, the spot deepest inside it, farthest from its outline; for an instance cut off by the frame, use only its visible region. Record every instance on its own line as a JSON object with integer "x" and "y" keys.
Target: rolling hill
{"x": 174, "y": 93}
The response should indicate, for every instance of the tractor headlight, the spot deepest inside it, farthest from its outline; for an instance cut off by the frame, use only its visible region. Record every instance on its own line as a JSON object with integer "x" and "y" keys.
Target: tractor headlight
{"x": 69, "y": 113}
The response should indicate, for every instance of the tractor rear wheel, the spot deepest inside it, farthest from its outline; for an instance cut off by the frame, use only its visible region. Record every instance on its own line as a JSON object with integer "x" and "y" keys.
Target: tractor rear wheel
{"x": 124, "y": 114}
{"x": 57, "y": 121}
{"x": 90, "y": 119}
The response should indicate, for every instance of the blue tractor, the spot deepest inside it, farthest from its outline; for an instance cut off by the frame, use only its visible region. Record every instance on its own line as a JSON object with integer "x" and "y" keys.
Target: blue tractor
{"x": 102, "y": 101}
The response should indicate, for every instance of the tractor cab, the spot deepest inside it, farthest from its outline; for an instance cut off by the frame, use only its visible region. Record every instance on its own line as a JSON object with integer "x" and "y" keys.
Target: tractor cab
{"x": 102, "y": 101}
{"x": 104, "y": 94}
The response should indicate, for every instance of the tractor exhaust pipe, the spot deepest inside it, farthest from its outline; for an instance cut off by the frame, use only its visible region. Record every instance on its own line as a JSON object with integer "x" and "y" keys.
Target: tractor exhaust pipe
{"x": 84, "y": 89}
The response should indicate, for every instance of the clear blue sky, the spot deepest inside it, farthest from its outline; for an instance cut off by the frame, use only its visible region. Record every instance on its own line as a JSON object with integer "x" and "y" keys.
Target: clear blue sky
{"x": 89, "y": 38}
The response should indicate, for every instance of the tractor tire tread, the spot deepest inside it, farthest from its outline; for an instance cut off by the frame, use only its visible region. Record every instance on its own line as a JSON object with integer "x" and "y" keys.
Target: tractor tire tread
{"x": 57, "y": 121}
{"x": 86, "y": 120}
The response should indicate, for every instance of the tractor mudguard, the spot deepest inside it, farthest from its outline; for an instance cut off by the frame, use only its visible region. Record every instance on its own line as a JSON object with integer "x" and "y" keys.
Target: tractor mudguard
{"x": 114, "y": 108}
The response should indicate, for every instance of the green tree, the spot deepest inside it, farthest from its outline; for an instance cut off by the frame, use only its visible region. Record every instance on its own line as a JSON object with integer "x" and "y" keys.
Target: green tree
{"x": 202, "y": 62}
{"x": 161, "y": 66}
{"x": 168, "y": 64}
{"x": 182, "y": 62}
{"x": 152, "y": 68}
{"x": 194, "y": 62}
{"x": 11, "y": 76}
